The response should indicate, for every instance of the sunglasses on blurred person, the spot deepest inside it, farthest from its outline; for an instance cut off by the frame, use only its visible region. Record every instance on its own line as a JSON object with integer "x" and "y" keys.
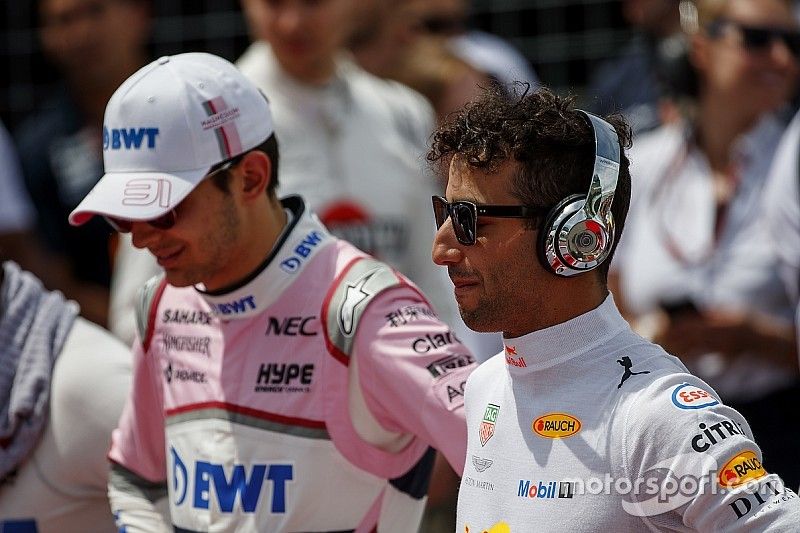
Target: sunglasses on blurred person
{"x": 758, "y": 38}
{"x": 442, "y": 25}
{"x": 465, "y": 216}
{"x": 170, "y": 218}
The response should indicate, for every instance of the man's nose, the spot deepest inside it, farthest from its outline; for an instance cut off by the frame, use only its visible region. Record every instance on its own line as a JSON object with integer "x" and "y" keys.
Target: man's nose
{"x": 289, "y": 18}
{"x": 143, "y": 234}
{"x": 446, "y": 248}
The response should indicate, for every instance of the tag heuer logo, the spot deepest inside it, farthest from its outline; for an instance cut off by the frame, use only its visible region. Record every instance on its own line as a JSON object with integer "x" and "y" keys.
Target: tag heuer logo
{"x": 487, "y": 424}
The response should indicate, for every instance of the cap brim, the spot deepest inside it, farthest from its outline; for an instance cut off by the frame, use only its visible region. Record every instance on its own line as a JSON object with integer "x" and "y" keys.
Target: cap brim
{"x": 136, "y": 195}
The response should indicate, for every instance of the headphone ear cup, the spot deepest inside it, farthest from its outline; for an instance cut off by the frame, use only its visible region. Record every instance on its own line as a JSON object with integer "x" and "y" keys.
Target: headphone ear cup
{"x": 546, "y": 250}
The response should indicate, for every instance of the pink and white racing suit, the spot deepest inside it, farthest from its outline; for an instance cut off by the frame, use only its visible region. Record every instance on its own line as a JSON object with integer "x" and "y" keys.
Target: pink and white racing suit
{"x": 305, "y": 399}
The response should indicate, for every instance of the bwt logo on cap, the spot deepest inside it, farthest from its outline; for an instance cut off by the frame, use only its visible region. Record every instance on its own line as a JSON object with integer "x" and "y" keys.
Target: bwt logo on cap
{"x": 128, "y": 138}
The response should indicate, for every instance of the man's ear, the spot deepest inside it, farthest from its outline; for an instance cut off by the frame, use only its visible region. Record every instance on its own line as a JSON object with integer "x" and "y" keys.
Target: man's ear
{"x": 256, "y": 169}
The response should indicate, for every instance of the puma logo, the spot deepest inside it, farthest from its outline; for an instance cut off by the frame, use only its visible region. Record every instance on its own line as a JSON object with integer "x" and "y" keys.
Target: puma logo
{"x": 627, "y": 364}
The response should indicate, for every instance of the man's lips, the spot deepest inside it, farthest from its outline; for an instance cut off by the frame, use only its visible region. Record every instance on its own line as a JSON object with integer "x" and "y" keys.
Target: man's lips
{"x": 165, "y": 256}
{"x": 460, "y": 283}
{"x": 295, "y": 46}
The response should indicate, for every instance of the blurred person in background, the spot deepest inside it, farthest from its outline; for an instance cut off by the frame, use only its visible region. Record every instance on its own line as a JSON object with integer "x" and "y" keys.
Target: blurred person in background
{"x": 486, "y": 52}
{"x": 95, "y": 44}
{"x": 390, "y": 42}
{"x": 63, "y": 381}
{"x": 694, "y": 270}
{"x": 781, "y": 211}
{"x": 638, "y": 81}
{"x": 354, "y": 143}
{"x": 17, "y": 216}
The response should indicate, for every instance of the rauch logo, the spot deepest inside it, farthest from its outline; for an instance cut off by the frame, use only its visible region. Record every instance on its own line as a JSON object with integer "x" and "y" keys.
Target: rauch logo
{"x": 741, "y": 469}
{"x": 556, "y": 426}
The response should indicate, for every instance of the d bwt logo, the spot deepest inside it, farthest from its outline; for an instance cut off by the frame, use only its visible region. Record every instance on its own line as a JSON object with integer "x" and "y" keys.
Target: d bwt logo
{"x": 241, "y": 486}
{"x": 302, "y": 251}
{"x": 128, "y": 138}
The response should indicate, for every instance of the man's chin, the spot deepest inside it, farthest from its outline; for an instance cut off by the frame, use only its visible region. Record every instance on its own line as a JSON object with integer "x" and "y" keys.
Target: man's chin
{"x": 474, "y": 320}
{"x": 177, "y": 278}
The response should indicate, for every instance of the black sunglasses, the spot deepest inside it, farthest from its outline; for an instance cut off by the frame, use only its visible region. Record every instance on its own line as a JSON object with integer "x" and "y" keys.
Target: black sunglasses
{"x": 442, "y": 25}
{"x": 165, "y": 221}
{"x": 758, "y": 38}
{"x": 170, "y": 218}
{"x": 465, "y": 215}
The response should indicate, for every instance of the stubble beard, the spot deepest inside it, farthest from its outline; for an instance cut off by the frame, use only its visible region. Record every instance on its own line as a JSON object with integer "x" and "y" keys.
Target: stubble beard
{"x": 215, "y": 248}
{"x": 485, "y": 317}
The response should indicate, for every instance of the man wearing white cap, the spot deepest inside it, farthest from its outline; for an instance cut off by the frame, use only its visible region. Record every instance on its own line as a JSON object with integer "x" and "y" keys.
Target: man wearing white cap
{"x": 284, "y": 380}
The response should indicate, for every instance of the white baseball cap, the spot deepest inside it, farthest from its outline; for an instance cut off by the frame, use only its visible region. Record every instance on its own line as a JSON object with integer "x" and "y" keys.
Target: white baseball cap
{"x": 165, "y": 127}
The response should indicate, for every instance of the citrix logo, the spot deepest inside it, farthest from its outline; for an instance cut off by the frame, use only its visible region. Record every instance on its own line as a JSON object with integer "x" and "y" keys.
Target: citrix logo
{"x": 714, "y": 433}
{"x": 128, "y": 138}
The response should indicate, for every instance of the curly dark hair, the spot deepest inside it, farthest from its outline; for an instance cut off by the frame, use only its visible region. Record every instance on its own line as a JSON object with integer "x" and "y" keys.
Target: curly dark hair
{"x": 553, "y": 143}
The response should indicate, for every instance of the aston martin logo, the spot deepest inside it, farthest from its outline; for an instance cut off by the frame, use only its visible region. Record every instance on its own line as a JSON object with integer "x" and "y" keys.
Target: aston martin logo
{"x": 480, "y": 463}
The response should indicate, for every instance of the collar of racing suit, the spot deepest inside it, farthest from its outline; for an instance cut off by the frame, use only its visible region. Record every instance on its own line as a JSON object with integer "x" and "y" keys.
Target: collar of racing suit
{"x": 301, "y": 239}
{"x": 551, "y": 346}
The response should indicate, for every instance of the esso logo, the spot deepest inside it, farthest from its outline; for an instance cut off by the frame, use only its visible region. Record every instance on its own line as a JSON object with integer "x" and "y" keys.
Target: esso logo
{"x": 688, "y": 396}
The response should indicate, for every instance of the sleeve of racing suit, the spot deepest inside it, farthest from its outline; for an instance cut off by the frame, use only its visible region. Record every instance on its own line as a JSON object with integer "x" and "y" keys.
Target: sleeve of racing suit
{"x": 412, "y": 370}
{"x": 692, "y": 463}
{"x": 137, "y": 485}
{"x": 139, "y": 506}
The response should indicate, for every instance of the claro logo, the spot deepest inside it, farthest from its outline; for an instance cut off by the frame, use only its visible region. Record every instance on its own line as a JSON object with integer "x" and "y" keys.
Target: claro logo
{"x": 556, "y": 426}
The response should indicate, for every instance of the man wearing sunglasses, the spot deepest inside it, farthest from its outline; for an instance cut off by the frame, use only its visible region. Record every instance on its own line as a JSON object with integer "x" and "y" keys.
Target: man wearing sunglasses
{"x": 284, "y": 380}
{"x": 579, "y": 423}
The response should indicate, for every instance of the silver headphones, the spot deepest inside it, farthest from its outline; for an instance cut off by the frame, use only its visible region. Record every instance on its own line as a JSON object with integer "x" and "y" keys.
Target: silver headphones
{"x": 578, "y": 233}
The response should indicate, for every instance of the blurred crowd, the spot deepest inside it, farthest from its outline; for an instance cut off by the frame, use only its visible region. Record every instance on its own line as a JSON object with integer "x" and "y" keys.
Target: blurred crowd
{"x": 708, "y": 266}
